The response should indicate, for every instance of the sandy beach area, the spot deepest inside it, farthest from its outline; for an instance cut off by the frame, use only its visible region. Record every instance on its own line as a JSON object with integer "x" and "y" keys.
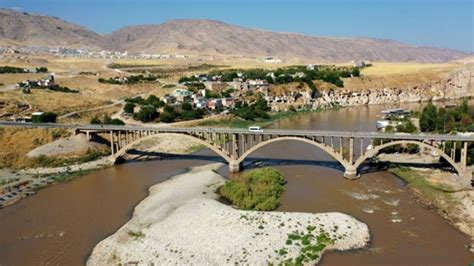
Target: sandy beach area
{"x": 182, "y": 222}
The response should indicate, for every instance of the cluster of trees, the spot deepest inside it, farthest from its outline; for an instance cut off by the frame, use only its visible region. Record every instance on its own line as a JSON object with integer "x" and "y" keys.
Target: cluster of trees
{"x": 444, "y": 120}
{"x": 15, "y": 70}
{"x": 9, "y": 69}
{"x": 406, "y": 126}
{"x": 133, "y": 79}
{"x": 46, "y": 117}
{"x": 106, "y": 120}
{"x": 148, "y": 110}
{"x": 285, "y": 75}
{"x": 258, "y": 190}
{"x": 252, "y": 111}
{"x": 41, "y": 70}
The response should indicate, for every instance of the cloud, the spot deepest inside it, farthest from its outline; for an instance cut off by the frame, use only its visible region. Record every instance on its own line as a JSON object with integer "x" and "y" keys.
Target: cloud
{"x": 17, "y": 8}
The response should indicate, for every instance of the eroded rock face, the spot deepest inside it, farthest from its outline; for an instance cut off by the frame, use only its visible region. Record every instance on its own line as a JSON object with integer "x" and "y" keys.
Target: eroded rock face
{"x": 456, "y": 85}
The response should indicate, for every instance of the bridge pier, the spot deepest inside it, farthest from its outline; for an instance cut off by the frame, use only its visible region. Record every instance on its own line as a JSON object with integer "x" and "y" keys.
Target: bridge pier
{"x": 351, "y": 173}
{"x": 235, "y": 166}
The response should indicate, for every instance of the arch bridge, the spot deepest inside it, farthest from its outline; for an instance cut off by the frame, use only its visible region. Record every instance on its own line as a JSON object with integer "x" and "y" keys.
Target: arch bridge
{"x": 235, "y": 145}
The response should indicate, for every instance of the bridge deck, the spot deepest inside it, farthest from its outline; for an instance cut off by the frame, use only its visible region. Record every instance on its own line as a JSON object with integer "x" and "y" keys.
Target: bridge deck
{"x": 272, "y": 132}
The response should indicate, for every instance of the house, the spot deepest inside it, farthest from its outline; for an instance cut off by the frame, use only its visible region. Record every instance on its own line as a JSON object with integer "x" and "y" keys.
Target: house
{"x": 168, "y": 99}
{"x": 216, "y": 85}
{"x": 256, "y": 83}
{"x": 214, "y": 104}
{"x": 359, "y": 64}
{"x": 229, "y": 102}
{"x": 310, "y": 67}
{"x": 201, "y": 103}
{"x": 271, "y": 59}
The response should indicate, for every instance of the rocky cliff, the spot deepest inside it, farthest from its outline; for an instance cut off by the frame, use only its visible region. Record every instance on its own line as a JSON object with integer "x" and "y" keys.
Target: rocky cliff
{"x": 457, "y": 84}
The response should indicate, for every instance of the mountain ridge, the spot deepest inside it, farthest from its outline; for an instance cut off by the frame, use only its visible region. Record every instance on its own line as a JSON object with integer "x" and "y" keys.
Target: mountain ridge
{"x": 207, "y": 36}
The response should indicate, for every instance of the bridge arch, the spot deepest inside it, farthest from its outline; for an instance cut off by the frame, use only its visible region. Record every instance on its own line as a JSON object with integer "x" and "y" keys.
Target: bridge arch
{"x": 373, "y": 152}
{"x": 127, "y": 147}
{"x": 319, "y": 145}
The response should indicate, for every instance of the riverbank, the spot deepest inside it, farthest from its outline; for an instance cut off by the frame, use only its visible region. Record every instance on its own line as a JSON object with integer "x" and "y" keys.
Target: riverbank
{"x": 434, "y": 192}
{"x": 18, "y": 184}
{"x": 181, "y": 221}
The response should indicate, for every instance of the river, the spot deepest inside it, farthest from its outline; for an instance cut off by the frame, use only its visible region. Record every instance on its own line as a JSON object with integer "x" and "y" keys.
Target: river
{"x": 62, "y": 223}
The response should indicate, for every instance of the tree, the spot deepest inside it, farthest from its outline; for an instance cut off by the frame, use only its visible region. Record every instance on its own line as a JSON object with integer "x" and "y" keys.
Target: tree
{"x": 95, "y": 121}
{"x": 466, "y": 120}
{"x": 109, "y": 121}
{"x": 41, "y": 70}
{"x": 187, "y": 106}
{"x": 355, "y": 72}
{"x": 128, "y": 108}
{"x": 146, "y": 114}
{"x": 152, "y": 100}
{"x": 428, "y": 118}
{"x": 167, "y": 117}
{"x": 407, "y": 127}
{"x": 339, "y": 83}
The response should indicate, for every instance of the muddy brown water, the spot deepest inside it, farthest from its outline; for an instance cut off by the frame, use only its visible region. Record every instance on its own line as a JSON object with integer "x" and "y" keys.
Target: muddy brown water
{"x": 62, "y": 223}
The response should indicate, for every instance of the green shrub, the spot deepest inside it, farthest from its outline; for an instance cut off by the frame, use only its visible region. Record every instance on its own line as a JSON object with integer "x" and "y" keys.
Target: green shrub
{"x": 47, "y": 117}
{"x": 259, "y": 189}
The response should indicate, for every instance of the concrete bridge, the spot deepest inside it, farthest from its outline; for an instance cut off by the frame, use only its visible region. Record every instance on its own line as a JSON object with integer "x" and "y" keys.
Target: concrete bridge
{"x": 234, "y": 145}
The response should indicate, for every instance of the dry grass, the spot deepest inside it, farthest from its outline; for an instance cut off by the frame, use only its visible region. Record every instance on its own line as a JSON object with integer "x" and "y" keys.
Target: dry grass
{"x": 383, "y": 69}
{"x": 49, "y": 101}
{"x": 388, "y": 75}
{"x": 85, "y": 117}
{"x": 18, "y": 142}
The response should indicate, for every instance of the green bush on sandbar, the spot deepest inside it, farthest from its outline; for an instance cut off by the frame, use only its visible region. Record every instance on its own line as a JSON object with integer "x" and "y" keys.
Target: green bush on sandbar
{"x": 259, "y": 190}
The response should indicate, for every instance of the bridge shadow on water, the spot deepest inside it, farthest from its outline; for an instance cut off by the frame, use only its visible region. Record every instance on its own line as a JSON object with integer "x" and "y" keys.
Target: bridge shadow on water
{"x": 256, "y": 162}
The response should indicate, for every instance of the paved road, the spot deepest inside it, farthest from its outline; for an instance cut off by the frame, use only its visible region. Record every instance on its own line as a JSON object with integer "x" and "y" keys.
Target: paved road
{"x": 276, "y": 132}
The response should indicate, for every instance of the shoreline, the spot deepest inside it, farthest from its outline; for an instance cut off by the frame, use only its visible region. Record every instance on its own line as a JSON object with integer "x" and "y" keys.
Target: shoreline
{"x": 452, "y": 206}
{"x": 182, "y": 220}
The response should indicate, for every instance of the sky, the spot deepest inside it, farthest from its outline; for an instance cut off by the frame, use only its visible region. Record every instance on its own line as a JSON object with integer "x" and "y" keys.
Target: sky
{"x": 436, "y": 23}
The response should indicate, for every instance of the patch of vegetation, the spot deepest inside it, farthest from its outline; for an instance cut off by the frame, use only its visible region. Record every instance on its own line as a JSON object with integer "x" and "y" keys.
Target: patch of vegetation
{"x": 106, "y": 121}
{"x": 88, "y": 156}
{"x": 237, "y": 122}
{"x": 445, "y": 121}
{"x": 442, "y": 120}
{"x": 136, "y": 234}
{"x": 195, "y": 148}
{"x": 169, "y": 86}
{"x": 87, "y": 73}
{"x": 12, "y": 70}
{"x": 311, "y": 245}
{"x": 63, "y": 89}
{"x": 252, "y": 111}
{"x": 417, "y": 181}
{"x": 285, "y": 75}
{"x": 130, "y": 80}
{"x": 46, "y": 117}
{"x": 259, "y": 189}
{"x": 16, "y": 70}
{"x": 118, "y": 65}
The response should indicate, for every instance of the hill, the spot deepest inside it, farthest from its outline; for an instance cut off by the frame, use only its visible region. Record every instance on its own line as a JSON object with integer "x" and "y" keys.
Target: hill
{"x": 21, "y": 28}
{"x": 214, "y": 37}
